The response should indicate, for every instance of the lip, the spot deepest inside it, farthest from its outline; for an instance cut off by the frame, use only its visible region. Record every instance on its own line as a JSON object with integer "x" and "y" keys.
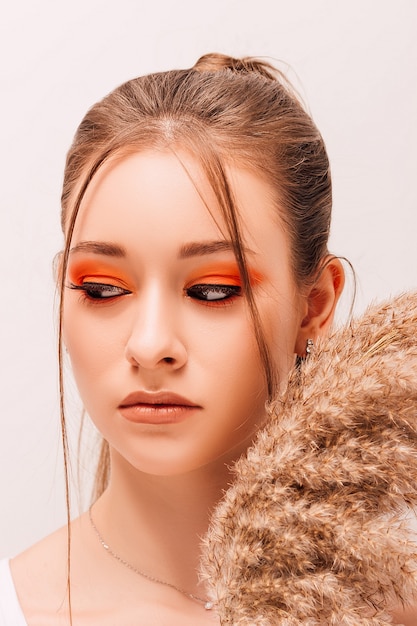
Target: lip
{"x": 162, "y": 407}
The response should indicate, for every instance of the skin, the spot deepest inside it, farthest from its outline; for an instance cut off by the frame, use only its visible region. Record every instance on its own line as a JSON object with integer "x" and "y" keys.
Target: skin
{"x": 152, "y": 333}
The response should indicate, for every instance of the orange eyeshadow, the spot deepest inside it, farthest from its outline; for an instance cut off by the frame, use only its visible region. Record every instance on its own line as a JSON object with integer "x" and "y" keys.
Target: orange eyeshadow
{"x": 88, "y": 270}
{"x": 217, "y": 273}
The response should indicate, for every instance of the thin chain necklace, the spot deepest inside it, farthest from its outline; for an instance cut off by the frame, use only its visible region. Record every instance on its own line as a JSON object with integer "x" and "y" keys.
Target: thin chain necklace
{"x": 206, "y": 603}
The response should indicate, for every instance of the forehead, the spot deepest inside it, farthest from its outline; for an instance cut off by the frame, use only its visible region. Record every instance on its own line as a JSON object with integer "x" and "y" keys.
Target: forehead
{"x": 167, "y": 194}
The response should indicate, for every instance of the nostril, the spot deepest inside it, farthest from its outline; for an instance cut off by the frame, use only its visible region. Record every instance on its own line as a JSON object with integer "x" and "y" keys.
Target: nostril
{"x": 168, "y": 359}
{"x": 133, "y": 361}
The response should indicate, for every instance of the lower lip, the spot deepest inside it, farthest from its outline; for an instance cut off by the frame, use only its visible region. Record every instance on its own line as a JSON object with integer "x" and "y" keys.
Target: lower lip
{"x": 157, "y": 413}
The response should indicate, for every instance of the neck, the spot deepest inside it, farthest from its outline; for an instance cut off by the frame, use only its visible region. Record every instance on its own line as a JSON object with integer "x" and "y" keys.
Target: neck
{"x": 157, "y": 522}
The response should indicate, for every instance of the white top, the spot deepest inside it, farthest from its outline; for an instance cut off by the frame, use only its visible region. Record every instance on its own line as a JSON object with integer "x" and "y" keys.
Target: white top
{"x": 10, "y": 611}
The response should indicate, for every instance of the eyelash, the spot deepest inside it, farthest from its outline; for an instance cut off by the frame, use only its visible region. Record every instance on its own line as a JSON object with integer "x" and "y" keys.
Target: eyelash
{"x": 223, "y": 294}
{"x": 210, "y": 294}
{"x": 93, "y": 292}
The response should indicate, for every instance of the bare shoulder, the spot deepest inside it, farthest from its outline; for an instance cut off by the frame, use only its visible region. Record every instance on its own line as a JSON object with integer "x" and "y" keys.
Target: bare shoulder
{"x": 102, "y": 592}
{"x": 42, "y": 563}
{"x": 40, "y": 577}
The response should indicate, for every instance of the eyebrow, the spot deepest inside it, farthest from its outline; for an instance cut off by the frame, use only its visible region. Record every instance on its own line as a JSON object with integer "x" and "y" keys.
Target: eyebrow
{"x": 202, "y": 248}
{"x": 99, "y": 247}
{"x": 199, "y": 248}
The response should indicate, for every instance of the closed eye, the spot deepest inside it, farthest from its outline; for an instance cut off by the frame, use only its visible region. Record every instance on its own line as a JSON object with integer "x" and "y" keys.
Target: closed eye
{"x": 100, "y": 291}
{"x": 213, "y": 292}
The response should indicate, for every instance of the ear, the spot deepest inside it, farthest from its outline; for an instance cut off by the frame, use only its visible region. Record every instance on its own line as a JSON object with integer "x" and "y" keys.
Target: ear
{"x": 320, "y": 303}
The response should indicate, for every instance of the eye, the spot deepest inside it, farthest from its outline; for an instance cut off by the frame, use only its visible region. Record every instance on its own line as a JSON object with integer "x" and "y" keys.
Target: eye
{"x": 213, "y": 293}
{"x": 100, "y": 291}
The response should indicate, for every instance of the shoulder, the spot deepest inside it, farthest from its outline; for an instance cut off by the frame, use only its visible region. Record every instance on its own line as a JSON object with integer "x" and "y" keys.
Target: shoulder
{"x": 10, "y": 610}
{"x": 41, "y": 565}
{"x": 40, "y": 578}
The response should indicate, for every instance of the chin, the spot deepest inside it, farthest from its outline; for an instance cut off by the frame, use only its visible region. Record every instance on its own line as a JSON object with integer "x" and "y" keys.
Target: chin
{"x": 177, "y": 465}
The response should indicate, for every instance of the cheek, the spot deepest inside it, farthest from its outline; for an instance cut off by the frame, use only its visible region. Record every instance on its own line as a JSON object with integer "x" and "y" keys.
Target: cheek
{"x": 281, "y": 319}
{"x": 91, "y": 344}
{"x": 238, "y": 368}
{"x": 227, "y": 343}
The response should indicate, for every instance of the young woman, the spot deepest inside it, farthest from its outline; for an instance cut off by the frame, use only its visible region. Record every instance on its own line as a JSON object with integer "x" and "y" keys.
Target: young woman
{"x": 196, "y": 212}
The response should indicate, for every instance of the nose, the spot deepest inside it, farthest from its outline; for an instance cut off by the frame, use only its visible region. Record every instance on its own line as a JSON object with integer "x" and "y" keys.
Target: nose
{"x": 154, "y": 339}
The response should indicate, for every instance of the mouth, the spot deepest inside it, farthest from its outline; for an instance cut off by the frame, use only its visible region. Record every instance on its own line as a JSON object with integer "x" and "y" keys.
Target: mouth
{"x": 163, "y": 407}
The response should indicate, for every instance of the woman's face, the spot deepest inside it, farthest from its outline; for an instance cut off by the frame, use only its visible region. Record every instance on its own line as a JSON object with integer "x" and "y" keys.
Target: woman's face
{"x": 159, "y": 334}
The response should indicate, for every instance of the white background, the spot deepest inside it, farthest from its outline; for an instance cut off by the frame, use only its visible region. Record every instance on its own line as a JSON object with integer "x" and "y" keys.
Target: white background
{"x": 355, "y": 63}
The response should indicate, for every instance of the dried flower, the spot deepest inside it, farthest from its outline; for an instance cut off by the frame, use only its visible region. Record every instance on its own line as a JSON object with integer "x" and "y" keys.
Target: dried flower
{"x": 314, "y": 529}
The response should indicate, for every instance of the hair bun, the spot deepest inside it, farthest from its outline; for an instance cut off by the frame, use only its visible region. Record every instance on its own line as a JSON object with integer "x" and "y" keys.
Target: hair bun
{"x": 215, "y": 62}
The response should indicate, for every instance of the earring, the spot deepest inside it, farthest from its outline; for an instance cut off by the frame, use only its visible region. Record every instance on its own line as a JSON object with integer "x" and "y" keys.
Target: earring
{"x": 309, "y": 347}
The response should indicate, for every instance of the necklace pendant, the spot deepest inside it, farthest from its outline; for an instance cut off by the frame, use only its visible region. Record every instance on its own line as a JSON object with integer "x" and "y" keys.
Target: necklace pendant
{"x": 208, "y": 604}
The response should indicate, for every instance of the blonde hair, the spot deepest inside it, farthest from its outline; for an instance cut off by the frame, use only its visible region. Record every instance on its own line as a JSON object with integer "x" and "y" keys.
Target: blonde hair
{"x": 223, "y": 110}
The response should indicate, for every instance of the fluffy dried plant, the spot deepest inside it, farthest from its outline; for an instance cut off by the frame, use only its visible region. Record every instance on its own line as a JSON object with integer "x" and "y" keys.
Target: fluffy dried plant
{"x": 313, "y": 530}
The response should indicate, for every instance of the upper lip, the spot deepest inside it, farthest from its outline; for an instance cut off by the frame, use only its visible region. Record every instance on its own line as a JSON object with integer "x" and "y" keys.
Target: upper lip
{"x": 159, "y": 397}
